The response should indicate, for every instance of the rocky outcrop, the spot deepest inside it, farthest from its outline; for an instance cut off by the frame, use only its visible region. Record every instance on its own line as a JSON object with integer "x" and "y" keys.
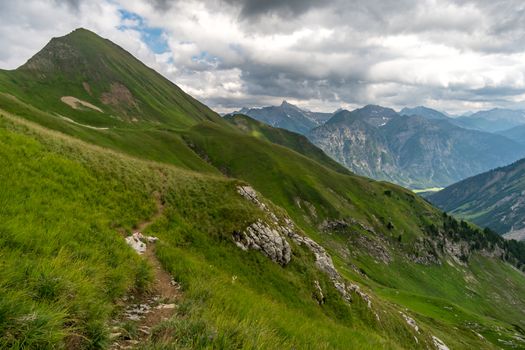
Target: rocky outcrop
{"x": 425, "y": 252}
{"x": 376, "y": 247}
{"x": 249, "y": 193}
{"x": 259, "y": 236}
{"x": 271, "y": 242}
{"x": 337, "y": 225}
{"x": 459, "y": 251}
{"x": 324, "y": 262}
{"x": 357, "y": 290}
{"x": 119, "y": 95}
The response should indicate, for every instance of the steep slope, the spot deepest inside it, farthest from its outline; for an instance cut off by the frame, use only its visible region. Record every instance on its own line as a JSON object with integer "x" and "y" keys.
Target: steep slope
{"x": 494, "y": 199}
{"x": 271, "y": 249}
{"x": 118, "y": 87}
{"x": 494, "y": 120}
{"x": 423, "y": 111}
{"x": 411, "y": 150}
{"x": 287, "y": 116}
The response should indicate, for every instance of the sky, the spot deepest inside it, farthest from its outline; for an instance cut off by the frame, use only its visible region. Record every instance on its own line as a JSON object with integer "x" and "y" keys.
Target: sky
{"x": 452, "y": 55}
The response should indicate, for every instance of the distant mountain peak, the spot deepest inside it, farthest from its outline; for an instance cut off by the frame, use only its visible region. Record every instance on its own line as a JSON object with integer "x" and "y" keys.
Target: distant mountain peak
{"x": 424, "y": 112}
{"x": 287, "y": 116}
{"x": 373, "y": 115}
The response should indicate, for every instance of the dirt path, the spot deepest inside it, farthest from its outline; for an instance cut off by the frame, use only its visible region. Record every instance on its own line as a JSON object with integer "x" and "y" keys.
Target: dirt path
{"x": 144, "y": 311}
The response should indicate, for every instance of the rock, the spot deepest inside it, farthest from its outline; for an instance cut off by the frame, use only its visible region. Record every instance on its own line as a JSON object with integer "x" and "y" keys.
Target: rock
{"x": 324, "y": 263}
{"x": 375, "y": 247}
{"x": 425, "y": 252}
{"x": 166, "y": 306}
{"x": 356, "y": 289}
{"x": 260, "y": 236}
{"x": 410, "y": 321}
{"x": 151, "y": 239}
{"x": 338, "y": 225}
{"x": 459, "y": 251}
{"x": 249, "y": 193}
{"x": 438, "y": 343}
{"x": 322, "y": 259}
{"x": 318, "y": 293}
{"x": 137, "y": 241}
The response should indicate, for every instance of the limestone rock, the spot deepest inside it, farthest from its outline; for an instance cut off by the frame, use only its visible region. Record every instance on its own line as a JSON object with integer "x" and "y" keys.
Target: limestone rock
{"x": 260, "y": 236}
{"x": 137, "y": 241}
{"x": 272, "y": 242}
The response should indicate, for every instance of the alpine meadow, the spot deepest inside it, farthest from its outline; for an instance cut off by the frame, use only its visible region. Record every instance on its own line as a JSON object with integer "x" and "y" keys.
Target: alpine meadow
{"x": 134, "y": 216}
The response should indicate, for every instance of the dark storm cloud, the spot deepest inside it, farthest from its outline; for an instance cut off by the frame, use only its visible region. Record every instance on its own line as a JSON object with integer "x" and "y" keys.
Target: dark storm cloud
{"x": 72, "y": 4}
{"x": 255, "y": 8}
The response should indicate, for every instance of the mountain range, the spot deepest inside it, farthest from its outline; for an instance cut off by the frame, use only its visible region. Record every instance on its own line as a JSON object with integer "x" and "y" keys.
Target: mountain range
{"x": 134, "y": 216}
{"x": 494, "y": 120}
{"x": 417, "y": 147}
{"x": 425, "y": 112}
{"x": 414, "y": 151}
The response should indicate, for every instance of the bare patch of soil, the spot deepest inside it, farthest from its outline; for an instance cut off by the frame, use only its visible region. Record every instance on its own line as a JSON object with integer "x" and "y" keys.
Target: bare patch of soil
{"x": 87, "y": 88}
{"x": 119, "y": 95}
{"x": 76, "y": 103}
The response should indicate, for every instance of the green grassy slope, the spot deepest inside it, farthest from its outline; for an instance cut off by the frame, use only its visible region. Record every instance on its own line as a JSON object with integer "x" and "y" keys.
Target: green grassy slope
{"x": 289, "y": 139}
{"x": 79, "y": 197}
{"x": 196, "y": 247}
{"x": 65, "y": 263}
{"x": 493, "y": 199}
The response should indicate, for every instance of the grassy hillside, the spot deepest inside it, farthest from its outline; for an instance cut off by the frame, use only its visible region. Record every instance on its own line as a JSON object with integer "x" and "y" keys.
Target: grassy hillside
{"x": 289, "y": 139}
{"x": 65, "y": 262}
{"x": 72, "y": 193}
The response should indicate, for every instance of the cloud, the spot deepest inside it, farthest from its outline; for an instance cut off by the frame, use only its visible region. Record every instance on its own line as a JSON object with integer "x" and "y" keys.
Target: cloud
{"x": 256, "y": 8}
{"x": 454, "y": 55}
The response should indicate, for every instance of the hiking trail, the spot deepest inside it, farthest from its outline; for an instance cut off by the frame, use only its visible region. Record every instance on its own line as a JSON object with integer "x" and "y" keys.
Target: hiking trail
{"x": 142, "y": 312}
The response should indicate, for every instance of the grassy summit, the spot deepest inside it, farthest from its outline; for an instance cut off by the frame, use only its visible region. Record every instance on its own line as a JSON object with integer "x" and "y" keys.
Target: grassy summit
{"x": 73, "y": 188}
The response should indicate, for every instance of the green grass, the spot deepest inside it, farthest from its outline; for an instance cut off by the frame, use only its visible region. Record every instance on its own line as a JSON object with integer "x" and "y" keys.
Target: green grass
{"x": 64, "y": 262}
{"x": 203, "y": 210}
